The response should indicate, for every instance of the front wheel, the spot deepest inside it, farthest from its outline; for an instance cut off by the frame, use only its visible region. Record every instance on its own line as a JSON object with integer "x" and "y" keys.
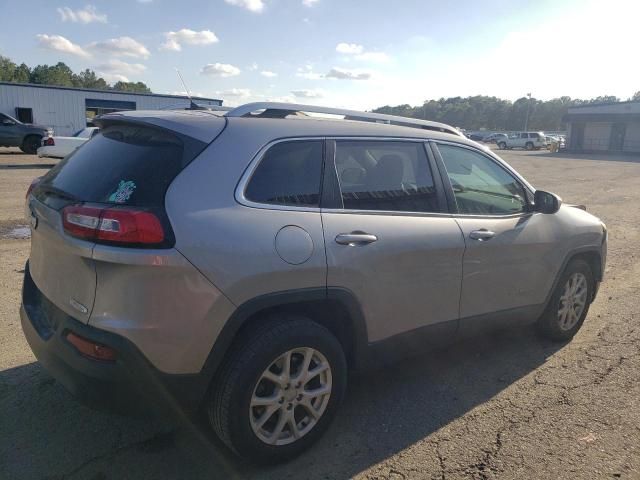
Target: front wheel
{"x": 569, "y": 303}
{"x": 279, "y": 389}
{"x": 529, "y": 146}
{"x": 502, "y": 145}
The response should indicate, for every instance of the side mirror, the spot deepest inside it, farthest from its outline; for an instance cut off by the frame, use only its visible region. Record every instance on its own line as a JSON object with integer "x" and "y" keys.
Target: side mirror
{"x": 545, "y": 202}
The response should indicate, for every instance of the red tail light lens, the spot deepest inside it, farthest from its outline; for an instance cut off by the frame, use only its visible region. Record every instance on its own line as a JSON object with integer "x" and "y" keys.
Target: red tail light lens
{"x": 113, "y": 225}
{"x": 33, "y": 185}
{"x": 49, "y": 142}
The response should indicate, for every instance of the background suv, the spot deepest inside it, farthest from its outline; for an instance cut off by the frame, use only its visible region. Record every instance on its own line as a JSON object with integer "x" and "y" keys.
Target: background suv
{"x": 526, "y": 140}
{"x": 14, "y": 133}
{"x": 239, "y": 264}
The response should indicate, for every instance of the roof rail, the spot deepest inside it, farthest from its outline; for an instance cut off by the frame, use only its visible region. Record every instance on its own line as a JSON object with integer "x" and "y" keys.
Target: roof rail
{"x": 281, "y": 110}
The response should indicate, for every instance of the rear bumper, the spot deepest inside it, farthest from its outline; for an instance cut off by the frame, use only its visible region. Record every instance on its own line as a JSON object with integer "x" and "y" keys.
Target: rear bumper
{"x": 129, "y": 385}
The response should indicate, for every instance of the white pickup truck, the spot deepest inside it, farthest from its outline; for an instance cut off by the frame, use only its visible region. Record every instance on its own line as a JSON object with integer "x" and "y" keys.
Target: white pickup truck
{"x": 526, "y": 140}
{"x": 60, "y": 147}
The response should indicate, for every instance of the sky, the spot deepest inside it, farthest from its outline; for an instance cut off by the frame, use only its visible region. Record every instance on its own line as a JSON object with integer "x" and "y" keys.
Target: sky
{"x": 341, "y": 53}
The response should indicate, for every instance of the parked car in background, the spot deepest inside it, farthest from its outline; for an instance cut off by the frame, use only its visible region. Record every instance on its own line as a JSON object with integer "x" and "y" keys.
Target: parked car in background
{"x": 495, "y": 137}
{"x": 60, "y": 147}
{"x": 14, "y": 133}
{"x": 526, "y": 140}
{"x": 559, "y": 139}
{"x": 476, "y": 137}
{"x": 239, "y": 265}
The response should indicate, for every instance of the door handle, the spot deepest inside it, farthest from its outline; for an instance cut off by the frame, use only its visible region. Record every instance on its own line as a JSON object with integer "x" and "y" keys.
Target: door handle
{"x": 482, "y": 235}
{"x": 355, "y": 238}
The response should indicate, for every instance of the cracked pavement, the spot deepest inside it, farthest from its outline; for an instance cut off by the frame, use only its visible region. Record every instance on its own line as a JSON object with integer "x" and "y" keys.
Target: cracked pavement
{"x": 504, "y": 405}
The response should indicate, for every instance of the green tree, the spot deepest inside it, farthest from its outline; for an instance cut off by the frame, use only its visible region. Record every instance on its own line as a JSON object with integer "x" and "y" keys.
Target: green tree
{"x": 89, "y": 79}
{"x": 7, "y": 69}
{"x": 59, "y": 74}
{"x": 21, "y": 74}
{"x": 137, "y": 87}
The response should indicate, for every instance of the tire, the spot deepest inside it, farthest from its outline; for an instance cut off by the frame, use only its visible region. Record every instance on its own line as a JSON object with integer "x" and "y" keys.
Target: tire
{"x": 553, "y": 324}
{"x": 31, "y": 144}
{"x": 261, "y": 351}
{"x": 528, "y": 146}
{"x": 502, "y": 146}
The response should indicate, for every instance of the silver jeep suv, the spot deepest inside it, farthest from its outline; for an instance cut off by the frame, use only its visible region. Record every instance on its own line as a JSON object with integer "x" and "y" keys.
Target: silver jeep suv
{"x": 240, "y": 263}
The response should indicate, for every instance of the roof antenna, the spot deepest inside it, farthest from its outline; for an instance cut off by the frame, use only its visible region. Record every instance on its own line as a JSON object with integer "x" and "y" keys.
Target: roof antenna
{"x": 192, "y": 104}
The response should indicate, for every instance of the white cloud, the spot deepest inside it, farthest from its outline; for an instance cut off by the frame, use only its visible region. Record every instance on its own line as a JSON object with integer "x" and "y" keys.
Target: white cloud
{"x": 88, "y": 14}
{"x": 175, "y": 40}
{"x": 307, "y": 93}
{"x": 113, "y": 77}
{"x": 118, "y": 67}
{"x": 268, "y": 74}
{"x": 378, "y": 57}
{"x": 344, "y": 74}
{"x": 253, "y": 67}
{"x": 309, "y": 3}
{"x": 235, "y": 92}
{"x": 251, "y": 5}
{"x": 308, "y": 73}
{"x": 220, "y": 70}
{"x": 121, "y": 46}
{"x": 349, "y": 48}
{"x": 58, "y": 43}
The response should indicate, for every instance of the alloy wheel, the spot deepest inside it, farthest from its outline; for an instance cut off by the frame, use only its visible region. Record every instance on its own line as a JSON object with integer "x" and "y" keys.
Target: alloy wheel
{"x": 290, "y": 396}
{"x": 572, "y": 301}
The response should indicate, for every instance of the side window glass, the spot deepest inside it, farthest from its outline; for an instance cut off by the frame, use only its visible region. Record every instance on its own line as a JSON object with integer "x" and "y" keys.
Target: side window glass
{"x": 480, "y": 185}
{"x": 289, "y": 173}
{"x": 381, "y": 175}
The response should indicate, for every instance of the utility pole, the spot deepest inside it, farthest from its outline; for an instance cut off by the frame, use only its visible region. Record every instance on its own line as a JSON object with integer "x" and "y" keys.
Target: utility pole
{"x": 526, "y": 119}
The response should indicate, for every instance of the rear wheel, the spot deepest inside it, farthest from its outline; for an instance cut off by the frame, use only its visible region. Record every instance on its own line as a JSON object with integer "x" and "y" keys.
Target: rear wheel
{"x": 529, "y": 146}
{"x": 502, "y": 145}
{"x": 31, "y": 144}
{"x": 279, "y": 390}
{"x": 569, "y": 302}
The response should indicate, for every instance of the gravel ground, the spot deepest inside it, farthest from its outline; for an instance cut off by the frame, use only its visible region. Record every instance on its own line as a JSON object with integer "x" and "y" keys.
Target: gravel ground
{"x": 506, "y": 405}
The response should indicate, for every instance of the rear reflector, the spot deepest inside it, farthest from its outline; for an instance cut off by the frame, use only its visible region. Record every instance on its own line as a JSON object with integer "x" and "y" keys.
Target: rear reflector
{"x": 91, "y": 349}
{"x": 113, "y": 225}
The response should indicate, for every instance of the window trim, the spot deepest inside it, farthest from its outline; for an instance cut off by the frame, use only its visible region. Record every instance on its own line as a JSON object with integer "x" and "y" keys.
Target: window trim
{"x": 332, "y": 176}
{"x": 253, "y": 165}
{"x": 453, "y": 206}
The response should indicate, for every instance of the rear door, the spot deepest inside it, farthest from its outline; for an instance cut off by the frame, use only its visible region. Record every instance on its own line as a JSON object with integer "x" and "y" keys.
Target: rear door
{"x": 511, "y": 254}
{"x": 387, "y": 238}
{"x": 9, "y": 131}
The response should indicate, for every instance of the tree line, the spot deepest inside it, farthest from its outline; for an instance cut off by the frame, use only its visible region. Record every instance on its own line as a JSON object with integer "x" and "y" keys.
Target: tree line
{"x": 492, "y": 113}
{"x": 61, "y": 75}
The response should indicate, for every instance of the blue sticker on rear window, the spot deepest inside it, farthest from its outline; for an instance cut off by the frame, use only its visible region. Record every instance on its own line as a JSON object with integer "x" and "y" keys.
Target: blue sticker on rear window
{"x": 123, "y": 192}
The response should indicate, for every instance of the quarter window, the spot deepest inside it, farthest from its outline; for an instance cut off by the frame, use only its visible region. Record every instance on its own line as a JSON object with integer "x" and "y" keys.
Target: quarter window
{"x": 379, "y": 175}
{"x": 288, "y": 174}
{"x": 480, "y": 185}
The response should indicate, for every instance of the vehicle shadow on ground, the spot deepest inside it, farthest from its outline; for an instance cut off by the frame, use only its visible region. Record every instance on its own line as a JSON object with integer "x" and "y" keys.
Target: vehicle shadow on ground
{"x": 46, "y": 434}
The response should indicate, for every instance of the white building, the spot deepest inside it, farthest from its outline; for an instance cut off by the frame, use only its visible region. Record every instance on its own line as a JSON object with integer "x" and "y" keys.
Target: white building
{"x": 68, "y": 109}
{"x": 611, "y": 127}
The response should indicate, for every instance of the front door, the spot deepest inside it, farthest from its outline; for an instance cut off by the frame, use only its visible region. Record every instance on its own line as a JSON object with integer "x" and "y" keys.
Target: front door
{"x": 387, "y": 240}
{"x": 511, "y": 255}
{"x": 9, "y": 135}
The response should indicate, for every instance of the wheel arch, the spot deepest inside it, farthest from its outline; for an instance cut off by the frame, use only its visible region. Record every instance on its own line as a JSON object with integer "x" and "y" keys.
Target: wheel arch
{"x": 335, "y": 308}
{"x": 591, "y": 255}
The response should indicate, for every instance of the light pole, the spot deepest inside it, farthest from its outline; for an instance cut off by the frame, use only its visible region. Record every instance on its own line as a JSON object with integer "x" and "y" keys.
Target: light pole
{"x": 526, "y": 119}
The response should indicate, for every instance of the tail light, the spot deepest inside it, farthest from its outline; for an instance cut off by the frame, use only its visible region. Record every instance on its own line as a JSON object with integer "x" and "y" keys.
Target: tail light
{"x": 119, "y": 226}
{"x": 34, "y": 184}
{"x": 49, "y": 142}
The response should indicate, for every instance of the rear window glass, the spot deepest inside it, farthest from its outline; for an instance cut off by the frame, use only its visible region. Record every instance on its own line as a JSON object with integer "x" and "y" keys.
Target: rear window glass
{"x": 288, "y": 174}
{"x": 124, "y": 164}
